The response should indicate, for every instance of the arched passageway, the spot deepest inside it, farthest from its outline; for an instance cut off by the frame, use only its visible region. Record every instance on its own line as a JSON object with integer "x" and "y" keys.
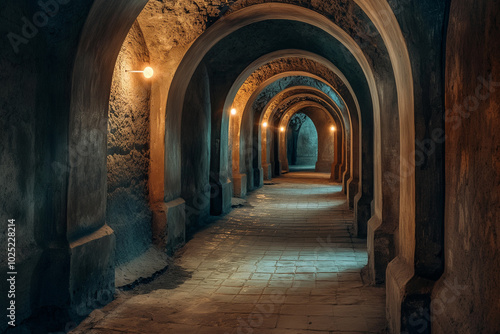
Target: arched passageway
{"x": 313, "y": 131}
{"x": 301, "y": 142}
{"x": 108, "y": 171}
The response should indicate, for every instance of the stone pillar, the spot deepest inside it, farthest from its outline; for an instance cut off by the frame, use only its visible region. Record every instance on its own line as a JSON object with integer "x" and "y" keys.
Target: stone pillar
{"x": 338, "y": 164}
{"x": 411, "y": 276}
{"x": 352, "y": 191}
{"x": 169, "y": 227}
{"x": 267, "y": 171}
{"x": 221, "y": 194}
{"x": 467, "y": 297}
{"x": 345, "y": 179}
{"x": 362, "y": 211}
{"x": 385, "y": 216}
{"x": 258, "y": 177}
{"x": 90, "y": 241}
{"x": 239, "y": 185}
{"x": 250, "y": 178}
{"x": 93, "y": 253}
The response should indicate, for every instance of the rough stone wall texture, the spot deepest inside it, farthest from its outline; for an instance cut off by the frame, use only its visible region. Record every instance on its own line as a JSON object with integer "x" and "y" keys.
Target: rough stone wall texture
{"x": 18, "y": 175}
{"x": 467, "y": 298}
{"x": 128, "y": 212}
{"x": 34, "y": 163}
{"x": 42, "y": 157}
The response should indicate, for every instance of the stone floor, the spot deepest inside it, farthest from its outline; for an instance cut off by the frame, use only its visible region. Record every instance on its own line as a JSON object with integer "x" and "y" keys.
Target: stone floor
{"x": 285, "y": 262}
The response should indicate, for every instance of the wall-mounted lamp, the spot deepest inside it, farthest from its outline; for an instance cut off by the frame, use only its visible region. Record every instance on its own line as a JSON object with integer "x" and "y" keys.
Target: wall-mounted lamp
{"x": 264, "y": 124}
{"x": 234, "y": 111}
{"x": 282, "y": 129}
{"x": 147, "y": 72}
{"x": 332, "y": 129}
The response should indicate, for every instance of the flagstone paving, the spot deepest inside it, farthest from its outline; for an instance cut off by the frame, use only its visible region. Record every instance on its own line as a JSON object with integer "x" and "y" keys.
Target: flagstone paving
{"x": 284, "y": 262}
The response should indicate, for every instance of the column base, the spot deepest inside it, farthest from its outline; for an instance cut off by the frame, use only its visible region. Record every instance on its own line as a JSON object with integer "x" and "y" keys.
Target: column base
{"x": 448, "y": 314}
{"x": 258, "y": 177}
{"x": 352, "y": 191}
{"x": 169, "y": 225}
{"x": 363, "y": 213}
{"x": 408, "y": 299}
{"x": 92, "y": 271}
{"x": 221, "y": 195}
{"x": 380, "y": 250}
{"x": 336, "y": 175}
{"x": 268, "y": 171}
{"x": 345, "y": 179}
{"x": 339, "y": 172}
{"x": 250, "y": 180}
{"x": 283, "y": 167}
{"x": 278, "y": 170}
{"x": 239, "y": 185}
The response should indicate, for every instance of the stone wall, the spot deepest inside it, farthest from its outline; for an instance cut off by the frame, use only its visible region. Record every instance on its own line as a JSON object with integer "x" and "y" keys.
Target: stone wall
{"x": 128, "y": 212}
{"x": 54, "y": 98}
{"x": 53, "y": 154}
{"x": 467, "y": 298}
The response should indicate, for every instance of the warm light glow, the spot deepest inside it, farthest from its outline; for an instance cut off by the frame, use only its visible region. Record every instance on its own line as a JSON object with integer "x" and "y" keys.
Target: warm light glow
{"x": 233, "y": 111}
{"x": 332, "y": 129}
{"x": 282, "y": 129}
{"x": 264, "y": 124}
{"x": 148, "y": 72}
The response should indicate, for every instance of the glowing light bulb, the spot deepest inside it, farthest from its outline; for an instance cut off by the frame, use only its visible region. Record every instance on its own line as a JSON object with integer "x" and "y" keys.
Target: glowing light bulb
{"x": 264, "y": 124}
{"x": 332, "y": 129}
{"x": 282, "y": 129}
{"x": 148, "y": 72}
{"x": 233, "y": 111}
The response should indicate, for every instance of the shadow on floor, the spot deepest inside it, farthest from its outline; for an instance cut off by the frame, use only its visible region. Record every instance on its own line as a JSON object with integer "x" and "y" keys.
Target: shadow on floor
{"x": 171, "y": 278}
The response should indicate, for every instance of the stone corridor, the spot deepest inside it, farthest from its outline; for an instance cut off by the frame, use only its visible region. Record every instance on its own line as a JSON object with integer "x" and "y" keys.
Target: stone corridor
{"x": 282, "y": 262}
{"x": 159, "y": 160}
